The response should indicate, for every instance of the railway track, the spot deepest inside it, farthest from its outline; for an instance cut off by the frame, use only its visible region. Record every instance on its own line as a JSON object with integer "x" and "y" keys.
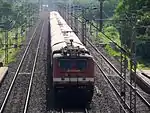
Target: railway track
{"x": 104, "y": 99}
{"x": 63, "y": 110}
{"x": 20, "y": 87}
{"x": 112, "y": 76}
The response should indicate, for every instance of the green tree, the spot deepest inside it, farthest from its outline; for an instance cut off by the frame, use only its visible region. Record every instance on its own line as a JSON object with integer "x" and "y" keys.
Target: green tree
{"x": 137, "y": 14}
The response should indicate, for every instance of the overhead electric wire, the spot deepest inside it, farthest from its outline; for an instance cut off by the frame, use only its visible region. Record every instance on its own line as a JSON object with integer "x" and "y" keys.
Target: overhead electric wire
{"x": 139, "y": 95}
{"x": 122, "y": 49}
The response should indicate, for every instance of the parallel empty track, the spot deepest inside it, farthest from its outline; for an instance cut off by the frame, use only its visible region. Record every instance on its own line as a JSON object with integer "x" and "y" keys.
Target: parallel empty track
{"x": 17, "y": 97}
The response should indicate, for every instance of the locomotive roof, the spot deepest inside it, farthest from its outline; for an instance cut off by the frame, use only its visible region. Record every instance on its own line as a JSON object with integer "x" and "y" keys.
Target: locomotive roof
{"x": 61, "y": 33}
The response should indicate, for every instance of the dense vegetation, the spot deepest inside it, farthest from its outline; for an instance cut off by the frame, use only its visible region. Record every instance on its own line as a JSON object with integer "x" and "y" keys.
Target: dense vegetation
{"x": 130, "y": 18}
{"x": 15, "y": 18}
{"x": 138, "y": 12}
{"x": 19, "y": 13}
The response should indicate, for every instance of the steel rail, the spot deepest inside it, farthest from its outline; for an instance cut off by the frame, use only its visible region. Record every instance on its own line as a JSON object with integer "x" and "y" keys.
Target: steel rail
{"x": 138, "y": 94}
{"x": 86, "y": 110}
{"x": 18, "y": 69}
{"x": 112, "y": 86}
{"x": 62, "y": 110}
{"x": 33, "y": 70}
{"x": 121, "y": 48}
{"x": 115, "y": 92}
{"x": 116, "y": 70}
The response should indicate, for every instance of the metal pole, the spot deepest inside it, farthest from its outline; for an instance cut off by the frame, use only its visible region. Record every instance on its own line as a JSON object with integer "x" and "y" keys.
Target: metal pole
{"x": 96, "y": 29}
{"x": 65, "y": 12}
{"x": 85, "y": 31}
{"x": 83, "y": 27}
{"x": 39, "y": 1}
{"x": 101, "y": 15}
{"x": 69, "y": 13}
{"x": 133, "y": 66}
{"x": 71, "y": 16}
{"x": 90, "y": 29}
{"x": 124, "y": 65}
{"x": 6, "y": 47}
{"x": 16, "y": 38}
{"x": 76, "y": 24}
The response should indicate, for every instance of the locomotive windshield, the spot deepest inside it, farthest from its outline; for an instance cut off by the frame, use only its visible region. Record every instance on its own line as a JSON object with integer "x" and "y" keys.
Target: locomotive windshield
{"x": 73, "y": 64}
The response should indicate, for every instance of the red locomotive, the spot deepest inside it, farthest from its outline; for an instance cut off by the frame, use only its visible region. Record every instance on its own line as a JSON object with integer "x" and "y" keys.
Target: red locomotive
{"x": 72, "y": 64}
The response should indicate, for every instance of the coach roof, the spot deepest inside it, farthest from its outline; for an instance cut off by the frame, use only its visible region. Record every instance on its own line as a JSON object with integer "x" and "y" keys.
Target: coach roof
{"x": 61, "y": 33}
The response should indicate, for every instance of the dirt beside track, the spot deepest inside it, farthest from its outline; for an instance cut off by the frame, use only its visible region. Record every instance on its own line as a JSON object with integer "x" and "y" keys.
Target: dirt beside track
{"x": 115, "y": 79}
{"x": 37, "y": 103}
{"x": 13, "y": 66}
{"x": 18, "y": 95}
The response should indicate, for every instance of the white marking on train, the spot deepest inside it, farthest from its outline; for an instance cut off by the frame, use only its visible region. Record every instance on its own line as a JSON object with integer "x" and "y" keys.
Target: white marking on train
{"x": 66, "y": 79}
{"x": 62, "y": 110}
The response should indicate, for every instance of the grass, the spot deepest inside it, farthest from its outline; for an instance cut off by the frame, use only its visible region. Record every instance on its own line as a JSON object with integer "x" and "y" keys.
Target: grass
{"x": 12, "y": 52}
{"x": 112, "y": 50}
{"x": 114, "y": 35}
{"x": 144, "y": 64}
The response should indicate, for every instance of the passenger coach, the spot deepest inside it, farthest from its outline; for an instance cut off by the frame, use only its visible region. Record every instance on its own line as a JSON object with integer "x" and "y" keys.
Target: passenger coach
{"x": 72, "y": 64}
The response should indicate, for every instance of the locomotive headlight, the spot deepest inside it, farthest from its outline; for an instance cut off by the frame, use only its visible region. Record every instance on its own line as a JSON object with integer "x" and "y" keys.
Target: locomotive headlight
{"x": 65, "y": 52}
{"x": 83, "y": 78}
{"x": 62, "y": 78}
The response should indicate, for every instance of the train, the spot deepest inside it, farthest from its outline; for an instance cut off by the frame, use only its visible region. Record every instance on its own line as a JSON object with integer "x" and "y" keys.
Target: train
{"x": 72, "y": 64}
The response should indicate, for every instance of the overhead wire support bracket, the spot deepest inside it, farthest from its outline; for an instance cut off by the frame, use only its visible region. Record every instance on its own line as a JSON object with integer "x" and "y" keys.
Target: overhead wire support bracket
{"x": 124, "y": 66}
{"x": 133, "y": 66}
{"x": 127, "y": 54}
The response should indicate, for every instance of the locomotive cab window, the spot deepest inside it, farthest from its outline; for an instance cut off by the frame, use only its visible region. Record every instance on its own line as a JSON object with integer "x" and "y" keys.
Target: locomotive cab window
{"x": 73, "y": 64}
